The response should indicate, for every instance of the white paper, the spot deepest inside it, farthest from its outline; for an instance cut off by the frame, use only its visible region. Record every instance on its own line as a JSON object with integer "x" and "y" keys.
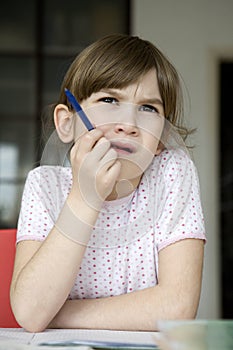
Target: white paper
{"x": 97, "y": 338}
{"x": 15, "y": 334}
{"x": 85, "y": 338}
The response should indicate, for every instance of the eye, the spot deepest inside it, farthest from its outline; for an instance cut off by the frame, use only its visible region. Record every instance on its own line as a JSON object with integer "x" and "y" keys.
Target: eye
{"x": 148, "y": 108}
{"x": 110, "y": 100}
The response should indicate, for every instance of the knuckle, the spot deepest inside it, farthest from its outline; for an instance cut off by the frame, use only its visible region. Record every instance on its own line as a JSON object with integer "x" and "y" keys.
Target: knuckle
{"x": 87, "y": 137}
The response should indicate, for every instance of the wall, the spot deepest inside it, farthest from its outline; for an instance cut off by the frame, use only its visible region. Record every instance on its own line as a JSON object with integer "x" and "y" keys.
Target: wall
{"x": 195, "y": 34}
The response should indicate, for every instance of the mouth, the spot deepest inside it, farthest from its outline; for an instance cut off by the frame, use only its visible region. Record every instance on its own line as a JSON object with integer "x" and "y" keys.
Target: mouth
{"x": 124, "y": 148}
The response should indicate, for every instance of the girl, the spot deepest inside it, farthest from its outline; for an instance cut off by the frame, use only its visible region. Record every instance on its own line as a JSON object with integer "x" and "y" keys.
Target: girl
{"x": 115, "y": 239}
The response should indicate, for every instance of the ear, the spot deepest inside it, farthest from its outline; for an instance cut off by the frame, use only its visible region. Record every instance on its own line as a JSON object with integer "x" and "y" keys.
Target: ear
{"x": 63, "y": 120}
{"x": 160, "y": 148}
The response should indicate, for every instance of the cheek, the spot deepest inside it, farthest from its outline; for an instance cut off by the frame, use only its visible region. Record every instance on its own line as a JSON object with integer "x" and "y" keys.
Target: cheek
{"x": 100, "y": 115}
{"x": 151, "y": 142}
{"x": 153, "y": 125}
{"x": 104, "y": 128}
{"x": 154, "y": 145}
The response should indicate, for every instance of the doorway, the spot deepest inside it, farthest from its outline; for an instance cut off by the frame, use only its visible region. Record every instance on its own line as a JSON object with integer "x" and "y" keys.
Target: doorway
{"x": 226, "y": 186}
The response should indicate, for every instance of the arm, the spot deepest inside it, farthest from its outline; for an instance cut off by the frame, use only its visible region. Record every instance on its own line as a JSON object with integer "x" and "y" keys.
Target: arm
{"x": 44, "y": 273}
{"x": 175, "y": 297}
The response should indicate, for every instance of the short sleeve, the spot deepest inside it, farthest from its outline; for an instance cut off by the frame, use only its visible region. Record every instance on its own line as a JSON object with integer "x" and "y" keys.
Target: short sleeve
{"x": 180, "y": 214}
{"x": 41, "y": 203}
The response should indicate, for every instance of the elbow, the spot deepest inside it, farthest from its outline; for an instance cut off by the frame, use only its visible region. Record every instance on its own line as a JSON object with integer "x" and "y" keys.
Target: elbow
{"x": 180, "y": 305}
{"x": 28, "y": 317}
{"x": 29, "y": 322}
{"x": 182, "y": 313}
{"x": 183, "y": 310}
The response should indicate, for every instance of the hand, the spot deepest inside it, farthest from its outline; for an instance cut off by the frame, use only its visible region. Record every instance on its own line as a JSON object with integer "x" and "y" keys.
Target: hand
{"x": 95, "y": 167}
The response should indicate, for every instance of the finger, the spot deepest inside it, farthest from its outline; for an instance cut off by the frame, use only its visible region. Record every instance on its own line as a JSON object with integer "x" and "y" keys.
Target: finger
{"x": 87, "y": 141}
{"x": 85, "y": 144}
{"x": 113, "y": 172}
{"x": 102, "y": 149}
{"x": 108, "y": 159}
{"x": 105, "y": 180}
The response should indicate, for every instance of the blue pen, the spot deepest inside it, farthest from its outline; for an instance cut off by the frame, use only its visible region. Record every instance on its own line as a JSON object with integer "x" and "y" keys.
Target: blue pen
{"x": 79, "y": 110}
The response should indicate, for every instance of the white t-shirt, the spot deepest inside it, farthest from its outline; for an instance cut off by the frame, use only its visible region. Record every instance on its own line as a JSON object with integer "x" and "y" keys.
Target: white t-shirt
{"x": 122, "y": 254}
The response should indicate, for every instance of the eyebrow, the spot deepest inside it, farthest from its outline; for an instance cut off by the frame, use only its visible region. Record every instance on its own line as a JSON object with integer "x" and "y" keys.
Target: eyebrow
{"x": 155, "y": 101}
{"x": 144, "y": 100}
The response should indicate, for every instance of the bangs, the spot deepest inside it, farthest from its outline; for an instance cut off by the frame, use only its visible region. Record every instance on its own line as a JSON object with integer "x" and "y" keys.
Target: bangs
{"x": 114, "y": 65}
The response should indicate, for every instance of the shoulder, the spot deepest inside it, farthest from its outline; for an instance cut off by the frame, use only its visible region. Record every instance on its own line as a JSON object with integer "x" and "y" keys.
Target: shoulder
{"x": 44, "y": 193}
{"x": 176, "y": 157}
{"x": 45, "y": 170}
{"x": 49, "y": 174}
{"x": 173, "y": 162}
{"x": 172, "y": 170}
{"x": 48, "y": 180}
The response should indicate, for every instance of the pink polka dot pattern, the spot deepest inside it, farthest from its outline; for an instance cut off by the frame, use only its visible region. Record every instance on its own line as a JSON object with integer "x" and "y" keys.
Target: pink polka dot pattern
{"x": 122, "y": 255}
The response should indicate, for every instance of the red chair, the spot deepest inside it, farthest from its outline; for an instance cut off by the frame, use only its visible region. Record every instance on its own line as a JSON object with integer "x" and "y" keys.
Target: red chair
{"x": 7, "y": 256}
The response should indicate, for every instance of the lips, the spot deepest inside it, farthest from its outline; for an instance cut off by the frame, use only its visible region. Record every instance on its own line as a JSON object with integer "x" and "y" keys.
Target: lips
{"x": 122, "y": 147}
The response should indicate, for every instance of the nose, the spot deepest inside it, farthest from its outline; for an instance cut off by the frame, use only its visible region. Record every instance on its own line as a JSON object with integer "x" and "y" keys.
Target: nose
{"x": 126, "y": 128}
{"x": 126, "y": 123}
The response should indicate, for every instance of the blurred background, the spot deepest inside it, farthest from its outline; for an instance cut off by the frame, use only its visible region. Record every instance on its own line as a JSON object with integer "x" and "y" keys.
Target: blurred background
{"x": 38, "y": 41}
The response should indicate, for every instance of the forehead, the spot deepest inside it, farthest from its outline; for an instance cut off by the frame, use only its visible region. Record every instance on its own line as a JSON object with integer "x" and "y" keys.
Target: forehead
{"x": 146, "y": 88}
{"x": 148, "y": 79}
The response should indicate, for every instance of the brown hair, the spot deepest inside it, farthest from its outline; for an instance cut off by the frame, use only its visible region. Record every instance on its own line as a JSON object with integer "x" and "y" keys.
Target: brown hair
{"x": 119, "y": 60}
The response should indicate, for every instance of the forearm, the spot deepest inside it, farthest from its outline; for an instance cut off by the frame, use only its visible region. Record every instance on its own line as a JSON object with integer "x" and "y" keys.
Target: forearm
{"x": 42, "y": 282}
{"x": 42, "y": 286}
{"x": 118, "y": 312}
{"x": 134, "y": 311}
{"x": 176, "y": 296}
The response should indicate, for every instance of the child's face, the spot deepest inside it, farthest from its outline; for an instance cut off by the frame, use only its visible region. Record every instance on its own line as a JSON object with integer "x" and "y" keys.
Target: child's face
{"x": 132, "y": 119}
